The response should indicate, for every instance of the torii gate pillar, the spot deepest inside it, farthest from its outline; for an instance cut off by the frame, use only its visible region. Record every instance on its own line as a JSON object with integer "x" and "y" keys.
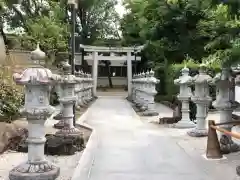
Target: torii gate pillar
{"x": 129, "y": 74}
{"x": 95, "y": 72}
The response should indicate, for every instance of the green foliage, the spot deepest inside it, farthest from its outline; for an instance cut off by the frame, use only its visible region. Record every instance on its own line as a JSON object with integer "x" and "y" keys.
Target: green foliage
{"x": 49, "y": 32}
{"x": 11, "y": 96}
{"x": 11, "y": 101}
{"x": 222, "y": 30}
{"x": 206, "y": 30}
{"x": 47, "y": 21}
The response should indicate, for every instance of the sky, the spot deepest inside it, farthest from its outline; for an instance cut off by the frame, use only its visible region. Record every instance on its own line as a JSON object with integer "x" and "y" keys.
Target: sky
{"x": 119, "y": 8}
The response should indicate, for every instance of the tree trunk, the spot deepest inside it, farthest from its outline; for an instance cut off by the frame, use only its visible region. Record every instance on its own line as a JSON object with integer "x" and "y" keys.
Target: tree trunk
{"x": 4, "y": 38}
{"x": 109, "y": 75}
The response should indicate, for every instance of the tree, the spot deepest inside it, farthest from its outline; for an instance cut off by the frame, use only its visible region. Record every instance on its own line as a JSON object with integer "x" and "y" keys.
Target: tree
{"x": 95, "y": 18}
{"x": 107, "y": 64}
{"x": 168, "y": 28}
{"x": 222, "y": 31}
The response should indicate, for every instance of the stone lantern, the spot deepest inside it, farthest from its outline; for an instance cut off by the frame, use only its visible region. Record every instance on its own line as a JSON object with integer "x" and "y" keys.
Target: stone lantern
{"x": 37, "y": 82}
{"x": 151, "y": 82}
{"x": 68, "y": 99}
{"x": 133, "y": 89}
{"x": 143, "y": 96}
{"x": 85, "y": 88}
{"x": 78, "y": 89}
{"x": 225, "y": 105}
{"x": 202, "y": 99}
{"x": 184, "y": 81}
{"x": 136, "y": 89}
{"x": 89, "y": 87}
{"x": 136, "y": 101}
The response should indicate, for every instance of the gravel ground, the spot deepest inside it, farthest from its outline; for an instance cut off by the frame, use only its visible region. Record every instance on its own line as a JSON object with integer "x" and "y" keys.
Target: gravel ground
{"x": 10, "y": 159}
{"x": 67, "y": 164}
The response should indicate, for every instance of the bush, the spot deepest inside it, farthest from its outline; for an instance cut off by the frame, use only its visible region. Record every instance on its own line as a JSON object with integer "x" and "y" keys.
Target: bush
{"x": 168, "y": 91}
{"x": 11, "y": 99}
{"x": 11, "y": 95}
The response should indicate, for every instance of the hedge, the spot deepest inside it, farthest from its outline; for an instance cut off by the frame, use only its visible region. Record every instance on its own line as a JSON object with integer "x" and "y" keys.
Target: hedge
{"x": 167, "y": 91}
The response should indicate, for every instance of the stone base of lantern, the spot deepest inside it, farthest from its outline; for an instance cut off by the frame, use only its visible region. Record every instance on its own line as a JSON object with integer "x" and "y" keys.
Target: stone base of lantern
{"x": 34, "y": 171}
{"x": 143, "y": 108}
{"x": 150, "y": 113}
{"x": 66, "y": 131}
{"x": 227, "y": 145}
{"x": 129, "y": 98}
{"x": 84, "y": 106}
{"x": 77, "y": 107}
{"x": 184, "y": 124}
{"x": 58, "y": 116}
{"x": 238, "y": 170}
{"x": 88, "y": 100}
{"x": 59, "y": 125}
{"x": 198, "y": 132}
{"x": 81, "y": 104}
{"x": 138, "y": 104}
{"x": 85, "y": 102}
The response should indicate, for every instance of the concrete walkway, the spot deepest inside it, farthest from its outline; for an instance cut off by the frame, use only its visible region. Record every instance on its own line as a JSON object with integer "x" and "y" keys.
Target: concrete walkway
{"x": 124, "y": 148}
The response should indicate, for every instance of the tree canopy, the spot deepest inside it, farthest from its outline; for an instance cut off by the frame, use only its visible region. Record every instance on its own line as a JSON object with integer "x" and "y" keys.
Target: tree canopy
{"x": 47, "y": 21}
{"x": 173, "y": 30}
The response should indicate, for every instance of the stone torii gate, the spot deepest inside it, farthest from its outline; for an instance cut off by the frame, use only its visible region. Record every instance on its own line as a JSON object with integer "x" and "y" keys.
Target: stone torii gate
{"x": 95, "y": 50}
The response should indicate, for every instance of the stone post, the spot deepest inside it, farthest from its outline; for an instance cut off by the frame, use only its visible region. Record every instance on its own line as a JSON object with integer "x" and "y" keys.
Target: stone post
{"x": 184, "y": 96}
{"x": 225, "y": 105}
{"x": 202, "y": 100}
{"x": 151, "y": 92}
{"x": 37, "y": 81}
{"x": 68, "y": 82}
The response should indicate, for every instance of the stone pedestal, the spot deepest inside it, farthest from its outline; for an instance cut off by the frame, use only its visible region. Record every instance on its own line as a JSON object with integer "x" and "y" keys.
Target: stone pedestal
{"x": 184, "y": 96}
{"x": 37, "y": 109}
{"x": 202, "y": 100}
{"x": 200, "y": 129}
{"x": 68, "y": 82}
{"x": 185, "y": 121}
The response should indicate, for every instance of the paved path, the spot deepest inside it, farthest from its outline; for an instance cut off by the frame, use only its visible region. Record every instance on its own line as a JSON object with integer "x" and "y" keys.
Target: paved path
{"x": 124, "y": 148}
